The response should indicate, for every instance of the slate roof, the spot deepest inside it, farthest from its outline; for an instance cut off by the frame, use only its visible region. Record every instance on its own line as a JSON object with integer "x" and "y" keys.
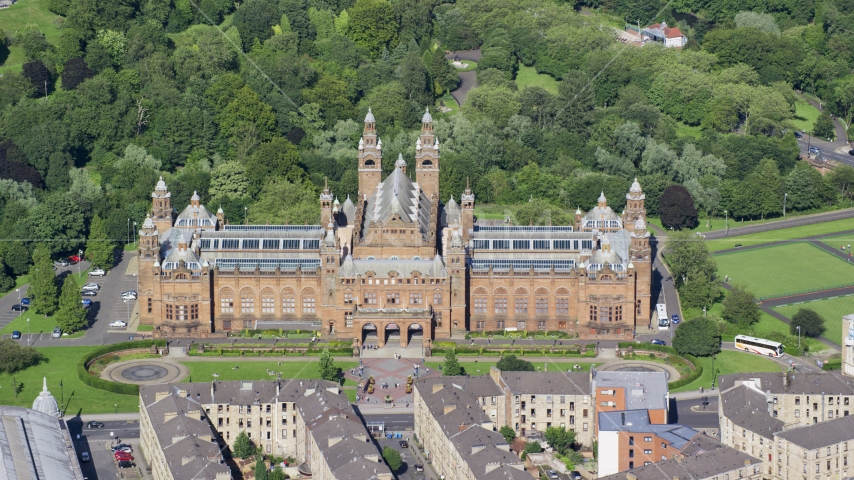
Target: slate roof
{"x": 637, "y": 421}
{"x": 435, "y": 268}
{"x": 821, "y": 434}
{"x": 451, "y": 213}
{"x": 398, "y": 195}
{"x": 548, "y": 383}
{"x": 794, "y": 382}
{"x": 748, "y": 409}
{"x": 348, "y": 213}
{"x": 196, "y": 217}
{"x": 35, "y": 445}
{"x": 644, "y": 390}
{"x": 713, "y": 460}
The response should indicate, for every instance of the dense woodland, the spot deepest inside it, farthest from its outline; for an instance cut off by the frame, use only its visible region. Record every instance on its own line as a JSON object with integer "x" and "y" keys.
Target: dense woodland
{"x": 254, "y": 103}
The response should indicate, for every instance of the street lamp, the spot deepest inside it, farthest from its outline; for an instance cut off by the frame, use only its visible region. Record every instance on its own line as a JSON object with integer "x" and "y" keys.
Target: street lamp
{"x": 19, "y": 295}
{"x": 799, "y": 336}
{"x": 785, "y": 196}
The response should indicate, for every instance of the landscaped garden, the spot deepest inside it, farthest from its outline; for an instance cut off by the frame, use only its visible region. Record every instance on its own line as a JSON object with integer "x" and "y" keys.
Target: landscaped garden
{"x": 824, "y": 228}
{"x": 479, "y": 367}
{"x": 727, "y": 362}
{"x": 832, "y": 309}
{"x": 203, "y": 371}
{"x": 785, "y": 269}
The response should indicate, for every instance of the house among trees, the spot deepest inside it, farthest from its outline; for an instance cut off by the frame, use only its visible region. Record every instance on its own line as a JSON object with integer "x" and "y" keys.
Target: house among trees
{"x": 660, "y": 32}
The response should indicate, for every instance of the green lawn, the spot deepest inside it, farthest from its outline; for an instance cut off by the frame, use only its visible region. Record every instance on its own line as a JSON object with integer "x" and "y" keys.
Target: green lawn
{"x": 824, "y": 228}
{"x": 554, "y": 365}
{"x": 785, "y": 269}
{"x": 470, "y": 66}
{"x": 685, "y": 130}
{"x": 728, "y": 362}
{"x": 528, "y": 77}
{"x": 19, "y": 282}
{"x": 805, "y": 116}
{"x": 14, "y": 18}
{"x": 62, "y": 365}
{"x": 203, "y": 371}
{"x": 720, "y": 223}
{"x": 837, "y": 241}
{"x": 832, "y": 309}
{"x": 38, "y": 324}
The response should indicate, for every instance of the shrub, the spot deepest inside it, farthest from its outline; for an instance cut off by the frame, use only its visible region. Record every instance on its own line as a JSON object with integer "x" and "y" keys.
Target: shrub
{"x": 15, "y": 357}
{"x": 96, "y": 382}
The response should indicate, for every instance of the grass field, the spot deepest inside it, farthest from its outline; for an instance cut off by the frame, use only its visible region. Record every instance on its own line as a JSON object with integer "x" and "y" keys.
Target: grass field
{"x": 528, "y": 77}
{"x": 832, "y": 309}
{"x": 685, "y": 130}
{"x": 554, "y": 365}
{"x": 837, "y": 241}
{"x": 720, "y": 223}
{"x": 14, "y": 18}
{"x": 805, "y": 116}
{"x": 203, "y": 371}
{"x": 728, "y": 362}
{"x": 62, "y": 365}
{"x": 785, "y": 269}
{"x": 825, "y": 228}
{"x": 38, "y": 324}
{"x": 471, "y": 65}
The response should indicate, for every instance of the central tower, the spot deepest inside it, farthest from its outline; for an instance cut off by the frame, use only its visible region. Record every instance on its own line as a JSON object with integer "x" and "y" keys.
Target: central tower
{"x": 427, "y": 158}
{"x": 370, "y": 158}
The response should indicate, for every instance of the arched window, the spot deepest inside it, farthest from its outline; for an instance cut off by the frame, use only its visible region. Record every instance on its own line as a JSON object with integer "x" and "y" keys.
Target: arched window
{"x": 268, "y": 300}
{"x": 226, "y": 300}
{"x": 500, "y": 301}
{"x": 541, "y": 301}
{"x": 247, "y": 300}
{"x": 309, "y": 301}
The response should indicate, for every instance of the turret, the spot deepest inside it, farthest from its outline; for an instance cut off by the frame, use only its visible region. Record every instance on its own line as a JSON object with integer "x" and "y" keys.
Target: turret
{"x": 325, "y": 204}
{"x": 161, "y": 208}
{"x": 370, "y": 157}
{"x": 427, "y": 157}
{"x": 149, "y": 240}
{"x": 635, "y": 208}
{"x": 467, "y": 212}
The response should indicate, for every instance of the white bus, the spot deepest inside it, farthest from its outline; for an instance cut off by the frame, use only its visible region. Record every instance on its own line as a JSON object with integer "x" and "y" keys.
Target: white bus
{"x": 663, "y": 319}
{"x": 758, "y": 345}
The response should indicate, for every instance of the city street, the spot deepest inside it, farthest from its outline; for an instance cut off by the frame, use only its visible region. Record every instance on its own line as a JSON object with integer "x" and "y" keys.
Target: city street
{"x": 690, "y": 412}
{"x": 96, "y": 441}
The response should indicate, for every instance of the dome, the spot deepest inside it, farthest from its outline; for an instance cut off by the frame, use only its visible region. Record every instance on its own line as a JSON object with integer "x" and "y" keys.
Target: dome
{"x": 148, "y": 223}
{"x": 161, "y": 186}
{"x": 427, "y": 118}
{"x": 400, "y": 163}
{"x": 602, "y": 197}
{"x": 636, "y": 188}
{"x": 369, "y": 118}
{"x": 578, "y": 210}
{"x": 45, "y": 403}
{"x": 640, "y": 224}
{"x": 219, "y": 210}
{"x": 195, "y": 196}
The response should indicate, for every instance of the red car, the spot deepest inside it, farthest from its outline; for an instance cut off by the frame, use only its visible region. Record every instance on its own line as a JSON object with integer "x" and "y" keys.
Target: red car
{"x": 74, "y": 259}
{"x": 123, "y": 456}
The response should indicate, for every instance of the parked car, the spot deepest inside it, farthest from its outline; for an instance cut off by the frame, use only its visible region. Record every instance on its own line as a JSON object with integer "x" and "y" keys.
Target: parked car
{"x": 61, "y": 263}
{"x": 130, "y": 292}
{"x": 84, "y": 456}
{"x": 656, "y": 341}
{"x": 674, "y": 319}
{"x": 91, "y": 286}
{"x": 798, "y": 134}
{"x": 815, "y": 150}
{"x": 89, "y": 293}
{"x": 552, "y": 474}
{"x": 86, "y": 302}
{"x": 122, "y": 455}
{"x": 94, "y": 424}
{"x": 98, "y": 272}
{"x": 126, "y": 464}
{"x": 25, "y": 301}
{"x": 404, "y": 444}
{"x": 118, "y": 324}
{"x": 418, "y": 467}
{"x": 19, "y": 308}
{"x": 850, "y": 152}
{"x": 74, "y": 259}
{"x": 574, "y": 475}
{"x": 16, "y": 335}
{"x": 122, "y": 446}
{"x": 57, "y": 332}
{"x": 128, "y": 296}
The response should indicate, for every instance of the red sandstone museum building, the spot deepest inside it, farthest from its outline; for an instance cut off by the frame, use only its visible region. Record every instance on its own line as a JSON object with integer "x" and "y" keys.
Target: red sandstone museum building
{"x": 396, "y": 262}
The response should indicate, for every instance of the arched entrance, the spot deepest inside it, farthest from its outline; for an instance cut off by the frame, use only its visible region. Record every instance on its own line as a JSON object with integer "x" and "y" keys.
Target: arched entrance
{"x": 414, "y": 333}
{"x": 392, "y": 333}
{"x": 369, "y": 334}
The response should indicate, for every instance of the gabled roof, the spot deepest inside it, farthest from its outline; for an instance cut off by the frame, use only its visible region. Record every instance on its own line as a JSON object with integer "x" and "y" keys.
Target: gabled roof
{"x": 669, "y": 32}
{"x": 451, "y": 213}
{"x": 399, "y": 196}
{"x": 748, "y": 409}
{"x": 822, "y": 434}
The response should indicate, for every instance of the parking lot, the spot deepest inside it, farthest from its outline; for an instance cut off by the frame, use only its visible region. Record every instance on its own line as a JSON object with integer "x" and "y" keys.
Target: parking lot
{"x": 410, "y": 456}
{"x": 107, "y": 306}
{"x": 97, "y": 441}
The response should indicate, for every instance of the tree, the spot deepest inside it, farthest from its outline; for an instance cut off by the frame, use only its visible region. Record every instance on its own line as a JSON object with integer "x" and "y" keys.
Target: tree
{"x": 58, "y": 220}
{"x": 699, "y": 337}
{"x": 228, "y": 179}
{"x": 824, "y": 127}
{"x": 260, "y": 468}
{"x": 372, "y": 25}
{"x": 560, "y": 439}
{"x": 328, "y": 370}
{"x": 43, "y": 282}
{"x": 531, "y": 447}
{"x": 740, "y": 307}
{"x": 6, "y": 281}
{"x": 699, "y": 290}
{"x": 15, "y": 357}
{"x": 99, "y": 249}
{"x": 451, "y": 367}
{"x": 247, "y": 110}
{"x": 811, "y": 323}
{"x": 243, "y": 446}
{"x": 32, "y": 41}
{"x": 255, "y": 19}
{"x": 392, "y": 458}
{"x": 762, "y": 21}
{"x": 495, "y": 102}
{"x": 676, "y": 208}
{"x": 512, "y": 364}
{"x": 71, "y": 315}
{"x": 39, "y": 76}
{"x": 277, "y": 474}
{"x": 508, "y": 433}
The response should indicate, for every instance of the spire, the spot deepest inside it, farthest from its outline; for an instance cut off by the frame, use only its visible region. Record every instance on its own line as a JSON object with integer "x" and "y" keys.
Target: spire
{"x": 369, "y": 118}
{"x": 45, "y": 403}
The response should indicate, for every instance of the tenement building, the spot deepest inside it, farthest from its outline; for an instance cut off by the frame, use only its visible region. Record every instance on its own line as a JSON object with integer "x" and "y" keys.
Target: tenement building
{"x": 184, "y": 428}
{"x": 848, "y": 345}
{"x": 395, "y": 261}
{"x": 799, "y": 424}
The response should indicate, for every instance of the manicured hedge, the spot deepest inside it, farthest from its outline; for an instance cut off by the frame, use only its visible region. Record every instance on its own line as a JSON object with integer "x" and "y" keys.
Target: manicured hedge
{"x": 698, "y": 371}
{"x": 101, "y": 384}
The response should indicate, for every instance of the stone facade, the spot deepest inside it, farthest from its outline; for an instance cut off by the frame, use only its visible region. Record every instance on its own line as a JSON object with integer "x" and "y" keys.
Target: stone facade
{"x": 848, "y": 345}
{"x": 395, "y": 262}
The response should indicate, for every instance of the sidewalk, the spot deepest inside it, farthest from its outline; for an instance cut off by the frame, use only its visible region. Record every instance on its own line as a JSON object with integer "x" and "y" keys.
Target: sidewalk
{"x": 105, "y": 417}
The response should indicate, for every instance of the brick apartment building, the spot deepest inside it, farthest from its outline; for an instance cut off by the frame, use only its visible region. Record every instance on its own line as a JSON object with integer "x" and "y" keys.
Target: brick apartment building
{"x": 395, "y": 261}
